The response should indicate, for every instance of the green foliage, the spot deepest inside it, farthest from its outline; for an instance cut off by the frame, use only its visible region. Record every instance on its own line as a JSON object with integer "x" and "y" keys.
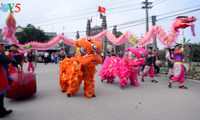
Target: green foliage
{"x": 188, "y": 41}
{"x": 183, "y": 42}
{"x": 30, "y": 33}
{"x": 196, "y": 52}
{"x": 61, "y": 44}
{"x": 119, "y": 33}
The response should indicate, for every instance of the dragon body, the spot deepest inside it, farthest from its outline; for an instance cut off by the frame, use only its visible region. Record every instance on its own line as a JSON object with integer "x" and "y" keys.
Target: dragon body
{"x": 181, "y": 22}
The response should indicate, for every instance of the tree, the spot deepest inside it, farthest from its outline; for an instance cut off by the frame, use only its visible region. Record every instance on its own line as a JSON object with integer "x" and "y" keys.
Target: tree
{"x": 196, "y": 53}
{"x": 30, "y": 33}
{"x": 119, "y": 33}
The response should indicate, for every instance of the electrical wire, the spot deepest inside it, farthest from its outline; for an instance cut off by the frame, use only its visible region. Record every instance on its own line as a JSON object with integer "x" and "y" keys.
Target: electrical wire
{"x": 119, "y": 12}
{"x": 83, "y": 17}
{"x": 157, "y": 20}
{"x": 180, "y": 14}
{"x": 78, "y": 14}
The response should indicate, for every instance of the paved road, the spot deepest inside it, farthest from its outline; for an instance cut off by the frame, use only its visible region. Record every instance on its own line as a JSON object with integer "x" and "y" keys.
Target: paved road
{"x": 149, "y": 101}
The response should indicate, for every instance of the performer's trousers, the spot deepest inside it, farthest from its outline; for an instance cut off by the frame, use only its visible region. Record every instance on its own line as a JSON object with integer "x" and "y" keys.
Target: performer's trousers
{"x": 30, "y": 66}
{"x": 148, "y": 70}
{"x": 2, "y": 109}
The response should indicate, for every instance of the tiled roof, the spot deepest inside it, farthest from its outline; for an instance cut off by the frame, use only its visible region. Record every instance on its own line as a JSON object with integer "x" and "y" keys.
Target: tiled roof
{"x": 20, "y": 27}
{"x": 96, "y": 27}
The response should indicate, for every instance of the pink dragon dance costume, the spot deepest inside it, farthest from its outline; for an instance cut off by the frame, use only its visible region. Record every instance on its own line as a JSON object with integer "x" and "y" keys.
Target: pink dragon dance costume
{"x": 126, "y": 68}
{"x": 179, "y": 71}
{"x": 134, "y": 79}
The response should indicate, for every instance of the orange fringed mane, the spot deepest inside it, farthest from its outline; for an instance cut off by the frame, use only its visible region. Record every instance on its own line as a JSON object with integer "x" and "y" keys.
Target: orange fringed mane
{"x": 78, "y": 68}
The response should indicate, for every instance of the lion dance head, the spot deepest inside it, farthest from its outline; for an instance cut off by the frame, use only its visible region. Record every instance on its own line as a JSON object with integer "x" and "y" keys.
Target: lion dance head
{"x": 87, "y": 52}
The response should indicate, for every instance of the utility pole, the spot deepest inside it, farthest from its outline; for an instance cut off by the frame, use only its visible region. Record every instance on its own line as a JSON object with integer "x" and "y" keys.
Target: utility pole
{"x": 147, "y": 6}
{"x": 154, "y": 40}
{"x": 52, "y": 31}
{"x": 63, "y": 35}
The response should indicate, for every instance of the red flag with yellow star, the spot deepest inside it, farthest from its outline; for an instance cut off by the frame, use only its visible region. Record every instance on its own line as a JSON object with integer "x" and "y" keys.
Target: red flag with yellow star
{"x": 102, "y": 10}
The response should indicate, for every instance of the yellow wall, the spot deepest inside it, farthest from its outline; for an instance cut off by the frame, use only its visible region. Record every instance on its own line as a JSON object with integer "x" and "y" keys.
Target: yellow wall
{"x": 18, "y": 29}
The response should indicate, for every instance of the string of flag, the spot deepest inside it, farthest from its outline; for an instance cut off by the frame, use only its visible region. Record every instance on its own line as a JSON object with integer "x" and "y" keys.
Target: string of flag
{"x": 101, "y": 10}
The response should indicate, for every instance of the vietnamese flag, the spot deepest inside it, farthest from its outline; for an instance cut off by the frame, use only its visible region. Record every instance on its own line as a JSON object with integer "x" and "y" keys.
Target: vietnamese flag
{"x": 102, "y": 10}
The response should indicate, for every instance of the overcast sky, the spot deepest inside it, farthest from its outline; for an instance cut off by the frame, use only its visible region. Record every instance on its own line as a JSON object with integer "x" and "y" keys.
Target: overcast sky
{"x": 53, "y": 15}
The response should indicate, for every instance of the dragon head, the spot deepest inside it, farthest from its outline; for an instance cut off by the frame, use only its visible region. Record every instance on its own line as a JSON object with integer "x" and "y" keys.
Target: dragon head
{"x": 132, "y": 55}
{"x": 184, "y": 22}
{"x": 142, "y": 52}
{"x": 87, "y": 52}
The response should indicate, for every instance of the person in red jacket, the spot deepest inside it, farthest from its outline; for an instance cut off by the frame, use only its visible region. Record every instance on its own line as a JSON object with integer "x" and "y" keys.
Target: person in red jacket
{"x": 4, "y": 81}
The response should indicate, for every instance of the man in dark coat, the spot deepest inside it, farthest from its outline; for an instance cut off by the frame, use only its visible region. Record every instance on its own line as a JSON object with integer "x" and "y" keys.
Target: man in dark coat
{"x": 149, "y": 66}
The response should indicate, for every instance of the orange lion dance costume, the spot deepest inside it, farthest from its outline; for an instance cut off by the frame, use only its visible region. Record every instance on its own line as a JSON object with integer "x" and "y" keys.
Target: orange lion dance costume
{"x": 81, "y": 67}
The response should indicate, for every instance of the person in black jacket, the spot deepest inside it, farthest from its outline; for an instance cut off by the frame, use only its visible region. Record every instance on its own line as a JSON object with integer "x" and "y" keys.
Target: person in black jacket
{"x": 149, "y": 66}
{"x": 4, "y": 80}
